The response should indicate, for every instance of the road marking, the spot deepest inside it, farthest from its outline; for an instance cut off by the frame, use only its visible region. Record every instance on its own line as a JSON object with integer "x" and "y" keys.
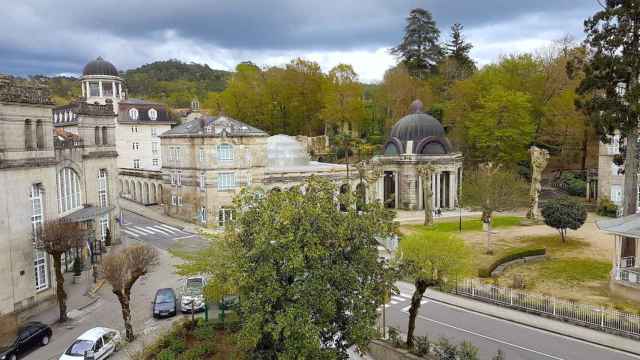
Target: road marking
{"x": 136, "y": 231}
{"x": 546, "y": 332}
{"x": 130, "y": 233}
{"x": 487, "y": 337}
{"x": 140, "y": 228}
{"x": 170, "y": 228}
{"x": 392, "y": 302}
{"x": 405, "y": 309}
{"x": 155, "y": 228}
{"x": 398, "y": 298}
{"x": 406, "y": 295}
{"x": 184, "y": 237}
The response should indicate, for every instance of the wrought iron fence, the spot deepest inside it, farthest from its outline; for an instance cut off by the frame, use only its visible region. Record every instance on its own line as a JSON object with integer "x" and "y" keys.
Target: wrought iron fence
{"x": 582, "y": 314}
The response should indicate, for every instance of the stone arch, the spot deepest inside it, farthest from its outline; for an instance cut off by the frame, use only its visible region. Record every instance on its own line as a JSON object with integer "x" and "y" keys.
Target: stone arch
{"x": 433, "y": 146}
{"x": 393, "y": 147}
{"x": 139, "y": 190}
{"x": 145, "y": 194}
{"x": 127, "y": 183}
{"x": 159, "y": 195}
{"x": 121, "y": 187}
{"x": 152, "y": 192}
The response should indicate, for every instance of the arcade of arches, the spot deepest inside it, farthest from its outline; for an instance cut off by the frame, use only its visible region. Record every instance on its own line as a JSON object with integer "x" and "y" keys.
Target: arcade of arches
{"x": 141, "y": 190}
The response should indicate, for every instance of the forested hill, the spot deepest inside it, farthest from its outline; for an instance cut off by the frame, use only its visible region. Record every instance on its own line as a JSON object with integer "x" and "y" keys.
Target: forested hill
{"x": 172, "y": 82}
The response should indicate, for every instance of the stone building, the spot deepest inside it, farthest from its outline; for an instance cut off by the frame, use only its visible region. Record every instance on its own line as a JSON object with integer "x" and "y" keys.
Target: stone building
{"x": 416, "y": 140}
{"x": 209, "y": 159}
{"x": 50, "y": 167}
{"x": 610, "y": 182}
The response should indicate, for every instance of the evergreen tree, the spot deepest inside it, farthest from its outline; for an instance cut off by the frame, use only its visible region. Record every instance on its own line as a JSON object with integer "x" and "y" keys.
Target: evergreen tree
{"x": 610, "y": 86}
{"x": 458, "y": 49}
{"x": 420, "y": 50}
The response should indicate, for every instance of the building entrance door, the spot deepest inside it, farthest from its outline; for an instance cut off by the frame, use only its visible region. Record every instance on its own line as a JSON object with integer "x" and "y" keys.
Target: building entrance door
{"x": 389, "y": 190}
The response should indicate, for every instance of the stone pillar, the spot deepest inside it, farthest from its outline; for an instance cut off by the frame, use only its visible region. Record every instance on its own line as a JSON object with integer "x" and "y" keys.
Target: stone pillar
{"x": 113, "y": 88}
{"x": 452, "y": 190}
{"x": 412, "y": 196}
{"x": 433, "y": 191}
{"x": 83, "y": 89}
{"x": 396, "y": 179}
{"x": 438, "y": 189}
{"x": 539, "y": 160}
{"x": 100, "y": 87}
{"x": 120, "y": 90}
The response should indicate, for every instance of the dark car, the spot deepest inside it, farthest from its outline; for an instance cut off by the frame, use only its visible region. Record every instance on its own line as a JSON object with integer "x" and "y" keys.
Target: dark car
{"x": 29, "y": 336}
{"x": 165, "y": 303}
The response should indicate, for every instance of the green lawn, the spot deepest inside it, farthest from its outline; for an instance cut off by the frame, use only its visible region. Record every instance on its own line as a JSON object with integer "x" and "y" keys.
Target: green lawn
{"x": 468, "y": 224}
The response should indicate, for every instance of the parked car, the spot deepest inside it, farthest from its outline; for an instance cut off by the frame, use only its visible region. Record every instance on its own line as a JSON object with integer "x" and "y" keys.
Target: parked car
{"x": 28, "y": 336}
{"x": 97, "y": 344}
{"x": 192, "y": 297}
{"x": 165, "y": 303}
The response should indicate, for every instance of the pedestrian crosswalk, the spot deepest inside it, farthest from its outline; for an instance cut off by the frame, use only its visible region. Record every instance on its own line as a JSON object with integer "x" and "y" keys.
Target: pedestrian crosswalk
{"x": 142, "y": 230}
{"x": 397, "y": 299}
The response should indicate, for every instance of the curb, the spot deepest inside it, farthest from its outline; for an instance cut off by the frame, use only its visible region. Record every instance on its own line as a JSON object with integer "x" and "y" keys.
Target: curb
{"x": 485, "y": 313}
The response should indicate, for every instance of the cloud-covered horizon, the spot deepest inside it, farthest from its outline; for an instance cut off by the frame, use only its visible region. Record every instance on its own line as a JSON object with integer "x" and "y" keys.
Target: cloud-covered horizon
{"x": 50, "y": 37}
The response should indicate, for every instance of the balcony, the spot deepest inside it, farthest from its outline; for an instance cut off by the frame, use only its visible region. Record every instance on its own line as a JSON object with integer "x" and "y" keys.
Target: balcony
{"x": 627, "y": 271}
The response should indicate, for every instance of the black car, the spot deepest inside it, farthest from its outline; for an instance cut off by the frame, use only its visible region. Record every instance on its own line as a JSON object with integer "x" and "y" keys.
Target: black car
{"x": 29, "y": 336}
{"x": 165, "y": 303}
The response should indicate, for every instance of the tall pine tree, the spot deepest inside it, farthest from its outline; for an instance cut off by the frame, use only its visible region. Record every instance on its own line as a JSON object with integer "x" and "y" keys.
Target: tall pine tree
{"x": 610, "y": 87}
{"x": 420, "y": 49}
{"x": 458, "y": 49}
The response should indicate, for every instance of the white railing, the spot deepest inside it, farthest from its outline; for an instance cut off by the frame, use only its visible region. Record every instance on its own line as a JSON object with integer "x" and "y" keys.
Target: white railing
{"x": 582, "y": 314}
{"x": 631, "y": 275}
{"x": 628, "y": 262}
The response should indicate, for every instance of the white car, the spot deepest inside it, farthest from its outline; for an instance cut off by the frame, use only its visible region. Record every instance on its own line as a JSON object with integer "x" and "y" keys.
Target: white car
{"x": 192, "y": 296}
{"x": 97, "y": 343}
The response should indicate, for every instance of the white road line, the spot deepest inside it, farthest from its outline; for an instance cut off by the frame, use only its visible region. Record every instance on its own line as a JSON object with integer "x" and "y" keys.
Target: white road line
{"x": 393, "y": 302}
{"x": 536, "y": 329}
{"x": 170, "y": 228}
{"x": 155, "y": 228}
{"x": 406, "y": 309}
{"x": 398, "y": 298}
{"x": 131, "y": 233}
{"x": 145, "y": 230}
{"x": 184, "y": 237}
{"x": 424, "y": 302}
{"x": 136, "y": 231}
{"x": 489, "y": 338}
{"x": 406, "y": 295}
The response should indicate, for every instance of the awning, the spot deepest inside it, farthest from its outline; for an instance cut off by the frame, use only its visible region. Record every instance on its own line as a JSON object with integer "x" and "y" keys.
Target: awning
{"x": 623, "y": 226}
{"x": 87, "y": 213}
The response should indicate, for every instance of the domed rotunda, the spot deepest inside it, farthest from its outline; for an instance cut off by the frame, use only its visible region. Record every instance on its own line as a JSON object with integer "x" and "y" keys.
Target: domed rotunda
{"x": 101, "y": 83}
{"x": 416, "y": 140}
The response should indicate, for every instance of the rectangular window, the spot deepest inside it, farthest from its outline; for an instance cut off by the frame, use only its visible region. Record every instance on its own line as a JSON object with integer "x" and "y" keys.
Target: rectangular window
{"x": 102, "y": 188}
{"x": 41, "y": 280}
{"x": 226, "y": 181}
{"x": 224, "y": 216}
{"x": 155, "y": 162}
{"x": 154, "y": 132}
{"x": 201, "y": 154}
{"x": 174, "y": 200}
{"x": 104, "y": 224}
{"x": 179, "y": 201}
{"x": 136, "y": 146}
{"x": 173, "y": 178}
{"x": 136, "y": 163}
{"x": 202, "y": 182}
{"x": 155, "y": 148}
{"x": 203, "y": 215}
{"x": 616, "y": 194}
{"x": 94, "y": 89}
{"x": 225, "y": 152}
{"x": 179, "y": 178}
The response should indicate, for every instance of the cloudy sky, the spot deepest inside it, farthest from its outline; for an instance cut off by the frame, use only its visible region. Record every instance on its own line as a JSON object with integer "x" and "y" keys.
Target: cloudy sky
{"x": 60, "y": 36}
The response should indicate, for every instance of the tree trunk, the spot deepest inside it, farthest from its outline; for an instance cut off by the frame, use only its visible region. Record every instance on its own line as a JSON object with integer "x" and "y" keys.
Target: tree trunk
{"x": 60, "y": 293}
{"x": 126, "y": 314}
{"x": 631, "y": 173}
{"x": 421, "y": 287}
{"x": 585, "y": 147}
{"x": 427, "y": 199}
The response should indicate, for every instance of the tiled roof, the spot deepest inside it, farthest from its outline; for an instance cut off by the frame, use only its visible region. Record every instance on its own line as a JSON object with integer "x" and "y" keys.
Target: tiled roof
{"x": 143, "y": 107}
{"x": 214, "y": 126}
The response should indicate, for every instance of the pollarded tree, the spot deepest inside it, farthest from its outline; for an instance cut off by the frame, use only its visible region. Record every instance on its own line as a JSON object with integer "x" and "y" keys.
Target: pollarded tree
{"x": 420, "y": 49}
{"x": 491, "y": 188}
{"x": 430, "y": 260}
{"x": 610, "y": 84}
{"x": 564, "y": 213}
{"x": 57, "y": 237}
{"x": 307, "y": 274}
{"x": 122, "y": 269}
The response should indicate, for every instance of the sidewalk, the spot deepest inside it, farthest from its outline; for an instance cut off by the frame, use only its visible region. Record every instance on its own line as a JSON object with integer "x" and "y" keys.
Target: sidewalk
{"x": 156, "y": 215}
{"x": 79, "y": 296}
{"x": 417, "y": 216}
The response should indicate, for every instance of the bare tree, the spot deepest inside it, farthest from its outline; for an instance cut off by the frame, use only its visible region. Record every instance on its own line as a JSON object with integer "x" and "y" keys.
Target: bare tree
{"x": 56, "y": 237}
{"x": 122, "y": 269}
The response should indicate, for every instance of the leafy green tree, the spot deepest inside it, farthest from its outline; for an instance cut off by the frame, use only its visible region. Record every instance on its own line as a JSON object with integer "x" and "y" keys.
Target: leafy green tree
{"x": 459, "y": 63}
{"x": 612, "y": 69}
{"x": 420, "y": 49}
{"x": 564, "y": 213}
{"x": 282, "y": 251}
{"x": 491, "y": 188}
{"x": 430, "y": 260}
{"x": 343, "y": 105}
{"x": 501, "y": 126}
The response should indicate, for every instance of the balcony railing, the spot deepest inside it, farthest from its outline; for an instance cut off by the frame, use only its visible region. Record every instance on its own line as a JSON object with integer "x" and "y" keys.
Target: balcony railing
{"x": 628, "y": 262}
{"x": 631, "y": 275}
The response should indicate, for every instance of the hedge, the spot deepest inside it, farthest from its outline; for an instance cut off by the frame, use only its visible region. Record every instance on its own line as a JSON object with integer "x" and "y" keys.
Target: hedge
{"x": 518, "y": 254}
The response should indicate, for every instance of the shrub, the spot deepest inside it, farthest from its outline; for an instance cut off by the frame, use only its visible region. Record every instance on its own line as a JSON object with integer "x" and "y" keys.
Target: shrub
{"x": 375, "y": 139}
{"x": 197, "y": 352}
{"x": 499, "y": 355}
{"x": 518, "y": 254}
{"x": 564, "y": 213}
{"x": 577, "y": 187}
{"x": 606, "y": 207}
{"x": 166, "y": 354}
{"x": 394, "y": 335}
{"x": 446, "y": 350}
{"x": 467, "y": 351}
{"x": 422, "y": 345}
{"x": 205, "y": 331}
{"x": 177, "y": 345}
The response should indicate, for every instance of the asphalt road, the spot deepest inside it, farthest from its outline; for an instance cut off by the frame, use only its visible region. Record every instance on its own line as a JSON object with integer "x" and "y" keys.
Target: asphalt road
{"x": 155, "y": 233}
{"x": 489, "y": 334}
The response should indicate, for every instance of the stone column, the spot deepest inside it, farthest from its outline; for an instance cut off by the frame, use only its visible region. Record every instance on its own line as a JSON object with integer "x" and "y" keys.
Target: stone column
{"x": 113, "y": 88}
{"x": 452, "y": 189}
{"x": 426, "y": 174}
{"x": 100, "y": 87}
{"x": 83, "y": 89}
{"x": 412, "y": 195}
{"x": 120, "y": 90}
{"x": 539, "y": 160}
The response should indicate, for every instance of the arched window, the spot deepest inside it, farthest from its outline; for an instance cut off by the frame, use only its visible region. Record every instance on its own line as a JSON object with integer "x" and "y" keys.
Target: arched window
{"x": 68, "y": 190}
{"x": 153, "y": 114}
{"x": 97, "y": 135}
{"x": 28, "y": 135}
{"x": 391, "y": 149}
{"x": 39, "y": 135}
{"x": 133, "y": 114}
{"x": 225, "y": 152}
{"x": 105, "y": 136}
